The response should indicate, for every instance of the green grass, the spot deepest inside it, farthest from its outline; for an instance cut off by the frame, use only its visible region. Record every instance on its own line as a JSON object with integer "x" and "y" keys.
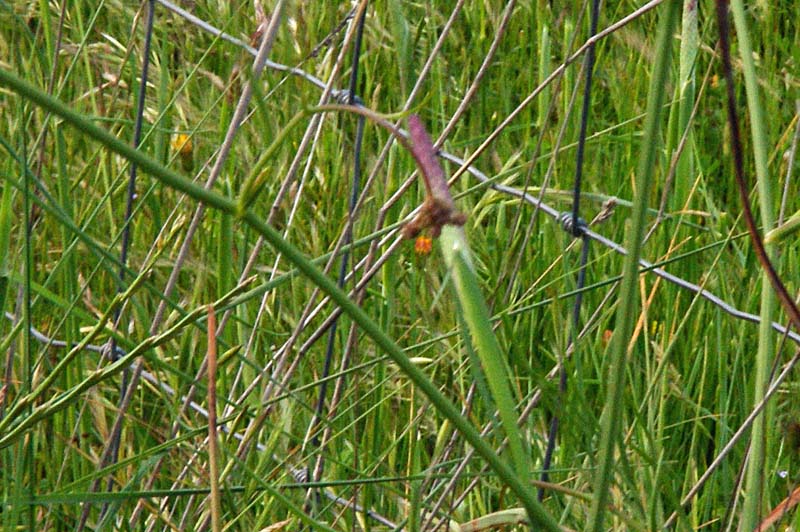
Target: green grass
{"x": 401, "y": 433}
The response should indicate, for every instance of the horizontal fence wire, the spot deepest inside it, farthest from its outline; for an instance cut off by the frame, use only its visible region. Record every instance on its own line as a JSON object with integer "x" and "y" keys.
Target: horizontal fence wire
{"x": 556, "y": 215}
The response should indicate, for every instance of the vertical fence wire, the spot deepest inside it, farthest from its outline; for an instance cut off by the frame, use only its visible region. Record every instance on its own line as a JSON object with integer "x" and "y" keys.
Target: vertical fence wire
{"x": 111, "y": 452}
{"x": 574, "y": 225}
{"x": 355, "y": 191}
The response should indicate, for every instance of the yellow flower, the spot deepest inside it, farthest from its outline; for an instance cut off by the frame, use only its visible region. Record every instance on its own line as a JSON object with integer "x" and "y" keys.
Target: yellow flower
{"x": 182, "y": 143}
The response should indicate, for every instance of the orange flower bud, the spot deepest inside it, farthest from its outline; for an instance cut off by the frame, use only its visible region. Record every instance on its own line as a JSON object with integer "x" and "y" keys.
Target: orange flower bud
{"x": 423, "y": 246}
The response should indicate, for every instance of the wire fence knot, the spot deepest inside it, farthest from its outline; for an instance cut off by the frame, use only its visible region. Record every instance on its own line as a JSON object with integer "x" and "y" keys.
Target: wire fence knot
{"x": 111, "y": 351}
{"x": 566, "y": 220}
{"x": 342, "y": 96}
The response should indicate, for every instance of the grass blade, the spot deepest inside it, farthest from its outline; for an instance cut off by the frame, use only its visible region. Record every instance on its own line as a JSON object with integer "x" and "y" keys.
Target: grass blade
{"x": 754, "y": 487}
{"x": 610, "y": 421}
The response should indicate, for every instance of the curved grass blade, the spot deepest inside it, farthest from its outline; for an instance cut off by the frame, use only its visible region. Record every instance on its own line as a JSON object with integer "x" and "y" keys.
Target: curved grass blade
{"x": 440, "y": 214}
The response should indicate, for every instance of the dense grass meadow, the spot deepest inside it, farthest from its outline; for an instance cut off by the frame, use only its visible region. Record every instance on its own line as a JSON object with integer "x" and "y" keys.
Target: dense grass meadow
{"x": 236, "y": 294}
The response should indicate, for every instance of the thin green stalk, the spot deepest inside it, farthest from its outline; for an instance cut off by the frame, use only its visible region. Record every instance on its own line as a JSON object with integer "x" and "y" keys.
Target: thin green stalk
{"x": 755, "y": 480}
{"x": 686, "y": 91}
{"x": 544, "y": 71}
{"x": 6, "y": 218}
{"x": 261, "y": 171}
{"x": 28, "y": 362}
{"x": 783, "y": 231}
{"x": 214, "y": 200}
{"x": 626, "y": 309}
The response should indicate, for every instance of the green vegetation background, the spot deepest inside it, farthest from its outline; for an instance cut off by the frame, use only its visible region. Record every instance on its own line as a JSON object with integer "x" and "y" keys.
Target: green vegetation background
{"x": 690, "y": 367}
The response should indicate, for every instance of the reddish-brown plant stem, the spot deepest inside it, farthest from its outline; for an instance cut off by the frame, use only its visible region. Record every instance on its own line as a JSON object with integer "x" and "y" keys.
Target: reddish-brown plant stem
{"x": 738, "y": 166}
{"x": 438, "y": 208}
